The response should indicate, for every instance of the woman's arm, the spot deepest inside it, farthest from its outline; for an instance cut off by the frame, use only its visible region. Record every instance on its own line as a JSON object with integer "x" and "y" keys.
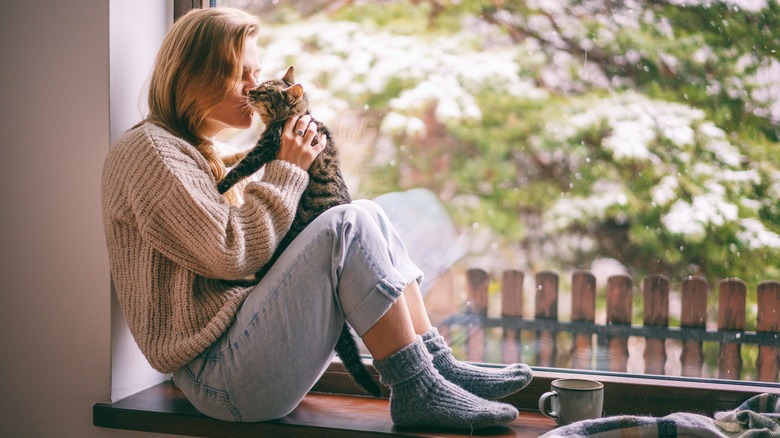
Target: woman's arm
{"x": 179, "y": 211}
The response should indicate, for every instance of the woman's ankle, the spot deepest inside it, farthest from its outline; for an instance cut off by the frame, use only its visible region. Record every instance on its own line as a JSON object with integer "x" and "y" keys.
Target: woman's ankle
{"x": 488, "y": 382}
{"x": 421, "y": 397}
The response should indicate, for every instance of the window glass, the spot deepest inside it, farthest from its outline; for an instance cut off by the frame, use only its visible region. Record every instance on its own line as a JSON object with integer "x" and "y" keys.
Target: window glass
{"x": 578, "y": 179}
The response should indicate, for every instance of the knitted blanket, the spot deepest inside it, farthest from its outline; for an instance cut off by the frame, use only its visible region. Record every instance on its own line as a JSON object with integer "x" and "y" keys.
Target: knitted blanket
{"x": 757, "y": 417}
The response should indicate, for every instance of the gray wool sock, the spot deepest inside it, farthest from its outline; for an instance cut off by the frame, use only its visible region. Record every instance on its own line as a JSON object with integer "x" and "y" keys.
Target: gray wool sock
{"x": 489, "y": 383}
{"x": 421, "y": 397}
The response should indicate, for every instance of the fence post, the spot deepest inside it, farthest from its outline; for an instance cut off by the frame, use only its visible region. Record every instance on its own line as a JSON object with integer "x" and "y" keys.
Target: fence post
{"x": 655, "y": 295}
{"x": 546, "y": 308}
{"x": 693, "y": 316}
{"x": 768, "y": 298}
{"x": 477, "y": 282}
{"x": 583, "y": 308}
{"x": 618, "y": 313}
{"x": 732, "y": 293}
{"x": 511, "y": 305}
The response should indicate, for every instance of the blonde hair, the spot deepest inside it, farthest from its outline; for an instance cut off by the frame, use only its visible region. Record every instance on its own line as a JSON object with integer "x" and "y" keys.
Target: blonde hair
{"x": 199, "y": 63}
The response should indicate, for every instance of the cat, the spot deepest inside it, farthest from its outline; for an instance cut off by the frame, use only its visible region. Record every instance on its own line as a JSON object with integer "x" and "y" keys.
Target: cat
{"x": 275, "y": 101}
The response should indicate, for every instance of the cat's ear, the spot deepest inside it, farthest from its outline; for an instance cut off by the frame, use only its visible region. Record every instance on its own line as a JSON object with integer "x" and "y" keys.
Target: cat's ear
{"x": 289, "y": 77}
{"x": 296, "y": 91}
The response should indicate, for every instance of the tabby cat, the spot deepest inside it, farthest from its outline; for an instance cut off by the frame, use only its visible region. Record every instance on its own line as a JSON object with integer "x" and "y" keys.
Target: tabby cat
{"x": 277, "y": 100}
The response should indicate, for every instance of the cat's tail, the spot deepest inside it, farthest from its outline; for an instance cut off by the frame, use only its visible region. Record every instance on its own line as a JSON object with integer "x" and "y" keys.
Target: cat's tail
{"x": 347, "y": 349}
{"x": 227, "y": 182}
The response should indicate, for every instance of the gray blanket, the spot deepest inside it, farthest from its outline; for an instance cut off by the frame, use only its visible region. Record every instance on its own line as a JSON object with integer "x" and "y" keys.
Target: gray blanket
{"x": 758, "y": 416}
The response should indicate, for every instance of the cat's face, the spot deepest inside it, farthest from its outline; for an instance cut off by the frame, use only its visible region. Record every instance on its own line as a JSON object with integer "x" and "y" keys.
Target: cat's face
{"x": 278, "y": 99}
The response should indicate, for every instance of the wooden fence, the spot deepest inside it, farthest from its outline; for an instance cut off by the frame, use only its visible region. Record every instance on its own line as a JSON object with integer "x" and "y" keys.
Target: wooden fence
{"x": 605, "y": 346}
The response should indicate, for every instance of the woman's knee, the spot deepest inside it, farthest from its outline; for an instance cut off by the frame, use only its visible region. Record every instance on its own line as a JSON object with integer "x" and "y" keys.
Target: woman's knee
{"x": 360, "y": 209}
{"x": 356, "y": 217}
{"x": 375, "y": 210}
{"x": 368, "y": 205}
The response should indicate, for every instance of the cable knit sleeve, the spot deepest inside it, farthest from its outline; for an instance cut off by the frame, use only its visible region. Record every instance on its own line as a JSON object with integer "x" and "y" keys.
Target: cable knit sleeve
{"x": 172, "y": 239}
{"x": 178, "y": 209}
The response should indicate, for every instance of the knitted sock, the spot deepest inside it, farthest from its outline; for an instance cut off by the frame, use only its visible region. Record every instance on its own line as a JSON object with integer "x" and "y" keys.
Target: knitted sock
{"x": 489, "y": 383}
{"x": 421, "y": 397}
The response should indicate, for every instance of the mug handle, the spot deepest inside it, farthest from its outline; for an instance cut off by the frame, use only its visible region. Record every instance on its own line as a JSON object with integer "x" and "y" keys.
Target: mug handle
{"x": 543, "y": 404}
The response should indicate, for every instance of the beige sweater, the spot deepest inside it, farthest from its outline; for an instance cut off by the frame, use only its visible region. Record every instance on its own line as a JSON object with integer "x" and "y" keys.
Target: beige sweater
{"x": 173, "y": 240}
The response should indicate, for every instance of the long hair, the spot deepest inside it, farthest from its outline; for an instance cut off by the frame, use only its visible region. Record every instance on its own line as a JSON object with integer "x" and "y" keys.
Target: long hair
{"x": 199, "y": 63}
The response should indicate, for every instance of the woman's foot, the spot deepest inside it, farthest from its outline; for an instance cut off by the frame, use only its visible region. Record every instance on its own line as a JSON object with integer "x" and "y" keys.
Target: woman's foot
{"x": 489, "y": 383}
{"x": 421, "y": 397}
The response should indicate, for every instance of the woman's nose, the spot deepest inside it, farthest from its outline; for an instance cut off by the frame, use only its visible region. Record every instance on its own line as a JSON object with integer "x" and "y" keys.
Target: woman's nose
{"x": 249, "y": 83}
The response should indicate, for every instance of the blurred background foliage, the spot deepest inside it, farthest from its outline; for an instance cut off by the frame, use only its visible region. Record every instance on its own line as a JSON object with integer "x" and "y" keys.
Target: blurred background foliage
{"x": 558, "y": 132}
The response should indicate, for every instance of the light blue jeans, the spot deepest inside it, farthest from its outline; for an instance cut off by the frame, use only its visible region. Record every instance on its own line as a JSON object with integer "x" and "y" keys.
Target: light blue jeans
{"x": 347, "y": 264}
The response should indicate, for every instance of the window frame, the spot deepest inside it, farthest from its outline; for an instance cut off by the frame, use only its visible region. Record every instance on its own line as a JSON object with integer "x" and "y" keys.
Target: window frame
{"x": 181, "y": 7}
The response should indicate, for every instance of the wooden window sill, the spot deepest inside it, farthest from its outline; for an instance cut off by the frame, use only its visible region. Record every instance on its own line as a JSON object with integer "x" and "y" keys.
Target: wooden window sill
{"x": 163, "y": 409}
{"x": 335, "y": 408}
{"x": 624, "y": 394}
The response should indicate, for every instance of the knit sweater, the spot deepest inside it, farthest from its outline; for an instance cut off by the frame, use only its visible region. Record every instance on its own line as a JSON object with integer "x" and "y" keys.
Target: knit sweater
{"x": 174, "y": 243}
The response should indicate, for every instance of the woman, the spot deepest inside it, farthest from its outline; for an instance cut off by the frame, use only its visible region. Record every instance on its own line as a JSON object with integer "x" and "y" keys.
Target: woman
{"x": 177, "y": 247}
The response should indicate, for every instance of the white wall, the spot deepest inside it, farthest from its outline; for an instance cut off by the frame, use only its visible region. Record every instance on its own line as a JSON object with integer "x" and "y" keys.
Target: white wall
{"x": 55, "y": 130}
{"x": 136, "y": 32}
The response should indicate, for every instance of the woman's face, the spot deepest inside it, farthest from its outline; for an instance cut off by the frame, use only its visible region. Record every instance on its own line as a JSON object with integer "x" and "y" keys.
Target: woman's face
{"x": 234, "y": 111}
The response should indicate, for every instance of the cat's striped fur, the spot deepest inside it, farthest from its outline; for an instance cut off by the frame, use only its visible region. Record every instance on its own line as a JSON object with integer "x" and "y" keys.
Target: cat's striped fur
{"x": 275, "y": 101}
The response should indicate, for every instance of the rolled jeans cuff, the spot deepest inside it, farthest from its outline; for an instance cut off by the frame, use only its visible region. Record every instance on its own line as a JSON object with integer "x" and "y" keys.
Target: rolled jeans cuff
{"x": 363, "y": 316}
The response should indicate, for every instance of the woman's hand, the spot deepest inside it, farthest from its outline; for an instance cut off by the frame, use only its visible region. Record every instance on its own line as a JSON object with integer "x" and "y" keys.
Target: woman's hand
{"x": 297, "y": 137}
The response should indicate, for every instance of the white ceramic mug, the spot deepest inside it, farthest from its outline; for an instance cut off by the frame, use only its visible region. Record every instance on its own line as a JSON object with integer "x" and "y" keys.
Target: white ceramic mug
{"x": 573, "y": 400}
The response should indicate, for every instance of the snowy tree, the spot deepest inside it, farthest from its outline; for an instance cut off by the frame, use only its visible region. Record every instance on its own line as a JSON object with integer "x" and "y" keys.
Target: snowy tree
{"x": 562, "y": 131}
